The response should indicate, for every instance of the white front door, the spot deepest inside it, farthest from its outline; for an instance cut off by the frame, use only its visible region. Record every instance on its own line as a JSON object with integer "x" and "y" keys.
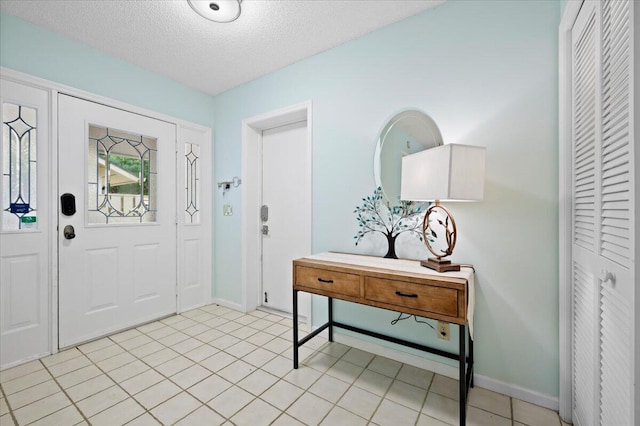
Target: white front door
{"x": 285, "y": 193}
{"x": 117, "y": 252}
{"x": 24, "y": 231}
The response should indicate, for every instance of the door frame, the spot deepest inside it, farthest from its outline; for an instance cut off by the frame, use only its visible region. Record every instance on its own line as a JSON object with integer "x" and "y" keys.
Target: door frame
{"x": 565, "y": 289}
{"x": 252, "y": 129}
{"x": 207, "y": 213}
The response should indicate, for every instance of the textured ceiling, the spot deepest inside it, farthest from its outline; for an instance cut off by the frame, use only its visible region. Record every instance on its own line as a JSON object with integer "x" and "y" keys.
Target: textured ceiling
{"x": 170, "y": 39}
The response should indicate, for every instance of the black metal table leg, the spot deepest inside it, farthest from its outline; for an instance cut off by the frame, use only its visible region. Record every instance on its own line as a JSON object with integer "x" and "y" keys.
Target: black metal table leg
{"x": 295, "y": 329}
{"x": 330, "y": 302}
{"x": 471, "y": 356}
{"x": 462, "y": 374}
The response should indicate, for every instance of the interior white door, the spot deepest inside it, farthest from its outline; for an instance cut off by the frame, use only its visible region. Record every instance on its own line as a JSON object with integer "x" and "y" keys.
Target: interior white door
{"x": 24, "y": 232}
{"x": 604, "y": 284}
{"x": 119, "y": 269}
{"x": 585, "y": 354}
{"x": 285, "y": 192}
{"x": 617, "y": 231}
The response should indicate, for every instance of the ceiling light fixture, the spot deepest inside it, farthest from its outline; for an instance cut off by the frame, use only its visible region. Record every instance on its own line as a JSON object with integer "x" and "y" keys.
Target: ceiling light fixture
{"x": 217, "y": 10}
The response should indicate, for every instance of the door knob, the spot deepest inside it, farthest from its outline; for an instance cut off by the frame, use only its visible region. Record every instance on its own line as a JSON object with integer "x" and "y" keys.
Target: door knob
{"x": 69, "y": 232}
{"x": 606, "y": 275}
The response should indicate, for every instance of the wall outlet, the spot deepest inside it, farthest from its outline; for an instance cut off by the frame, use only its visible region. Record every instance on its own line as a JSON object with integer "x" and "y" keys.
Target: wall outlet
{"x": 227, "y": 210}
{"x": 443, "y": 330}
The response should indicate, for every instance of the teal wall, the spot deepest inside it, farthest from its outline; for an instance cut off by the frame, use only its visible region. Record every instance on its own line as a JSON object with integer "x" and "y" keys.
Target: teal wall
{"x": 486, "y": 72}
{"x": 33, "y": 50}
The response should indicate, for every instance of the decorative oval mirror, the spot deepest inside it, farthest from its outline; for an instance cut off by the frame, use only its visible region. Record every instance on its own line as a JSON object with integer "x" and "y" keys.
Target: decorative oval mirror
{"x": 406, "y": 133}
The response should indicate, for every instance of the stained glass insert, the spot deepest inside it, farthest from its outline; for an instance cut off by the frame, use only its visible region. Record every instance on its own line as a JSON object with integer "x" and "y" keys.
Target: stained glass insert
{"x": 19, "y": 167}
{"x": 192, "y": 183}
{"x": 122, "y": 177}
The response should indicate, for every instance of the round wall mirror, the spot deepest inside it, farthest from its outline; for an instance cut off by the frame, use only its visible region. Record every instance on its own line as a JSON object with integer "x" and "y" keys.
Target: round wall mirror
{"x": 406, "y": 133}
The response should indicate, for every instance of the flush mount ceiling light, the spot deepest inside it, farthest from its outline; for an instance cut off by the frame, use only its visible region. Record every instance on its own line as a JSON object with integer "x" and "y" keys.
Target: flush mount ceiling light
{"x": 217, "y": 10}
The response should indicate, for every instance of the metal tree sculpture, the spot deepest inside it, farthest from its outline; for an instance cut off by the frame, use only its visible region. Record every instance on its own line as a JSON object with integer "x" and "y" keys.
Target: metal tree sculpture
{"x": 375, "y": 216}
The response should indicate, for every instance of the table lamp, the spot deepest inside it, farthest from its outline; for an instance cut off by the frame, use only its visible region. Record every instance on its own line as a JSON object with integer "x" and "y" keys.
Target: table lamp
{"x": 446, "y": 173}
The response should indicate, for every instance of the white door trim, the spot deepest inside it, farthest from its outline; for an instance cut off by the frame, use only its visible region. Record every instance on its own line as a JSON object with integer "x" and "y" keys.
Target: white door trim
{"x": 564, "y": 209}
{"x": 54, "y": 89}
{"x": 252, "y": 188}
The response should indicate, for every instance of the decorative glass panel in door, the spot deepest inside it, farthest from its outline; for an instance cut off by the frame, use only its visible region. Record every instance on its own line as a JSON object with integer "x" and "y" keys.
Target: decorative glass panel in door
{"x": 192, "y": 183}
{"x": 122, "y": 177}
{"x": 19, "y": 167}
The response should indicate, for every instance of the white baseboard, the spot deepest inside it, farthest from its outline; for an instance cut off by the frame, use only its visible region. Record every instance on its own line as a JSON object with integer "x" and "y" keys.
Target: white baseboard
{"x": 227, "y": 304}
{"x": 489, "y": 383}
{"x": 190, "y": 308}
{"x": 494, "y": 385}
{"x": 515, "y": 391}
{"x": 404, "y": 357}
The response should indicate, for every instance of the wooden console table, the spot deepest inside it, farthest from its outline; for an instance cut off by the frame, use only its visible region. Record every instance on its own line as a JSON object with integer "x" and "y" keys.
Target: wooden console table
{"x": 397, "y": 285}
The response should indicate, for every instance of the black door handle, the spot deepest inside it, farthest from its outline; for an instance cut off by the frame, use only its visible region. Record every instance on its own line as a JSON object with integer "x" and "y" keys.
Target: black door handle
{"x": 399, "y": 293}
{"x": 325, "y": 281}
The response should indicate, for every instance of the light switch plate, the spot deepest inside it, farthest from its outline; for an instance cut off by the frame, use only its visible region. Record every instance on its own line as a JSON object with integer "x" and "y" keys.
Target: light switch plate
{"x": 227, "y": 210}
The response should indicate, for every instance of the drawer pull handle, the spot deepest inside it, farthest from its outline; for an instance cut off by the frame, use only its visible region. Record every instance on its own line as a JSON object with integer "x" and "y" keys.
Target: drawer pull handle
{"x": 325, "y": 281}
{"x": 399, "y": 293}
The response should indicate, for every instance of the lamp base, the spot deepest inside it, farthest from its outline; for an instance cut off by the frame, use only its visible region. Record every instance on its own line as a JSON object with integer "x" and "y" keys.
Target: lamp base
{"x": 440, "y": 265}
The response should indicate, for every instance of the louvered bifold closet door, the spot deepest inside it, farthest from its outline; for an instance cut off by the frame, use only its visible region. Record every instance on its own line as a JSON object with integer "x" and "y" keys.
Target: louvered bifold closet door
{"x": 585, "y": 74}
{"x": 605, "y": 302}
{"x": 616, "y": 216}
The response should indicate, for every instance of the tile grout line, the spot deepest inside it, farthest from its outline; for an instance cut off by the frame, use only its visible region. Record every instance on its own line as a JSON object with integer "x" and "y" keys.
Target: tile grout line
{"x": 282, "y": 412}
{"x": 51, "y": 378}
{"x": 205, "y": 317}
{"x": 65, "y": 394}
{"x": 387, "y": 391}
{"x": 83, "y": 354}
{"x": 424, "y": 401}
{"x": 6, "y": 400}
{"x": 273, "y": 337}
{"x": 348, "y": 388}
{"x": 117, "y": 383}
{"x": 148, "y": 411}
{"x": 195, "y": 363}
{"x": 153, "y": 368}
{"x": 513, "y": 420}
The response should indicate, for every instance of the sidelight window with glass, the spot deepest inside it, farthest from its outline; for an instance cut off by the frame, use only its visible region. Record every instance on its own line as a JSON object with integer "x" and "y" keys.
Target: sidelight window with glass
{"x": 192, "y": 183}
{"x": 19, "y": 167}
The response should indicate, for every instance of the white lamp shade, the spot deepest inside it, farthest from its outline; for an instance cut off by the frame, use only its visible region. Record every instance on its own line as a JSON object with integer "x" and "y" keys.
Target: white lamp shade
{"x": 449, "y": 172}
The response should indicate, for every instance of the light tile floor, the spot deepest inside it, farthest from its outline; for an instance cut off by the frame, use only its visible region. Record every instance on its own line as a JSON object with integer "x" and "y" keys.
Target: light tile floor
{"x": 213, "y": 366}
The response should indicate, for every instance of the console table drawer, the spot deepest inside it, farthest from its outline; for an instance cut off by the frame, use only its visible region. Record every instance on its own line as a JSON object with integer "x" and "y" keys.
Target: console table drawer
{"x": 328, "y": 281}
{"x": 424, "y": 297}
